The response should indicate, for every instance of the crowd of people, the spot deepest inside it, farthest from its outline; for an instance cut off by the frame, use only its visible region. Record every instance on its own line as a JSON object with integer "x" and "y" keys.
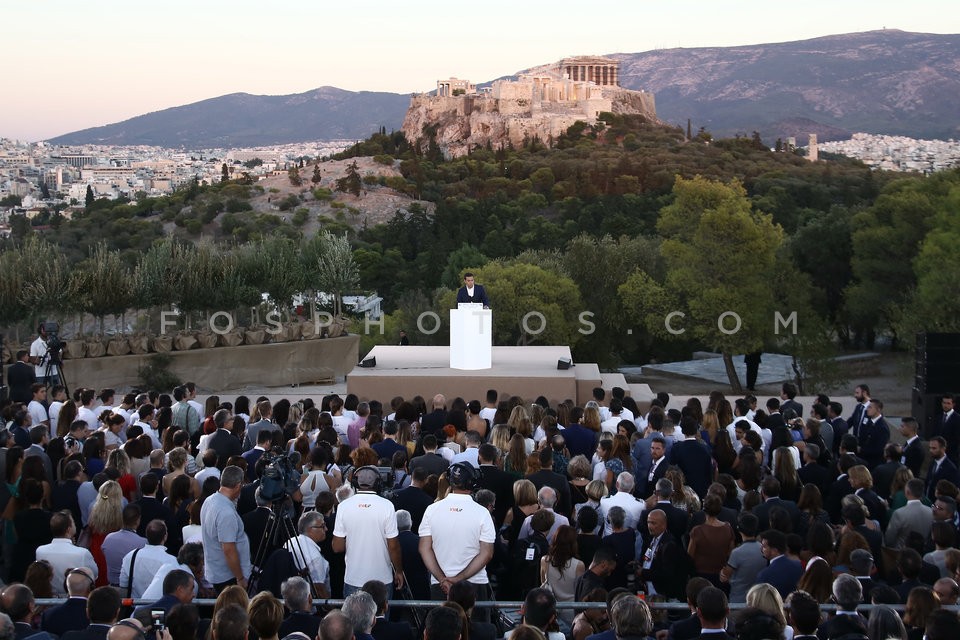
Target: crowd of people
{"x": 164, "y": 500}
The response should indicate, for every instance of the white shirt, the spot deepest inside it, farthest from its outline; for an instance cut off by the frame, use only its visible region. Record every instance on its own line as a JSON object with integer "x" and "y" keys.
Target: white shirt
{"x": 154, "y": 590}
{"x": 610, "y": 424}
{"x": 62, "y": 555}
{"x": 457, "y": 525}
{"x": 318, "y": 565}
{"x": 488, "y": 413}
{"x": 38, "y": 349}
{"x": 199, "y": 407}
{"x": 88, "y": 416}
{"x": 632, "y": 507}
{"x": 149, "y": 561}
{"x": 470, "y": 454}
{"x": 366, "y": 521}
{"x": 150, "y": 431}
{"x": 558, "y": 521}
{"x": 38, "y": 413}
{"x": 207, "y": 472}
{"x": 732, "y": 430}
{"x": 54, "y": 412}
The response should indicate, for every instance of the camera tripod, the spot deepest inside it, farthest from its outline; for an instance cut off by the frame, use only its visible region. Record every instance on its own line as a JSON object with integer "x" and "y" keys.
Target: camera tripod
{"x": 279, "y": 527}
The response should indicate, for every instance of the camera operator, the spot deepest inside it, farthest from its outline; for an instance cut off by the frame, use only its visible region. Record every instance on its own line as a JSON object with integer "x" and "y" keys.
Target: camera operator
{"x": 366, "y": 529}
{"x": 45, "y": 361}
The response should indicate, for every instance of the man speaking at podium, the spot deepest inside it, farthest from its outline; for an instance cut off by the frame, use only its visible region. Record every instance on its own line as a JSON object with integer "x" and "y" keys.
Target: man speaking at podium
{"x": 471, "y": 292}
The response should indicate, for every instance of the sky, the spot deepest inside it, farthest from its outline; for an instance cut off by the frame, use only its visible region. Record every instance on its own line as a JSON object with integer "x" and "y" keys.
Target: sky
{"x": 71, "y": 65}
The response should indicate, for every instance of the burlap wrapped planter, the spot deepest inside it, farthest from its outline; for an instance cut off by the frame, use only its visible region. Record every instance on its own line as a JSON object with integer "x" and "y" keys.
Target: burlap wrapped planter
{"x": 95, "y": 347}
{"x": 231, "y": 338}
{"x": 7, "y": 355}
{"x": 207, "y": 339}
{"x": 139, "y": 344}
{"x": 118, "y": 346}
{"x": 74, "y": 349}
{"x": 335, "y": 330}
{"x": 254, "y": 336}
{"x": 309, "y": 330}
{"x": 184, "y": 341}
{"x": 161, "y": 344}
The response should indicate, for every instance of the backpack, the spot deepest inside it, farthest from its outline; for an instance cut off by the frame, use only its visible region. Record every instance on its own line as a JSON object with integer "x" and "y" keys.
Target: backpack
{"x": 526, "y": 561}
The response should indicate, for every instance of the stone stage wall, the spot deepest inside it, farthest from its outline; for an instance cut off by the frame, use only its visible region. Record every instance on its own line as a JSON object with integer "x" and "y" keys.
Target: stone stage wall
{"x": 261, "y": 365}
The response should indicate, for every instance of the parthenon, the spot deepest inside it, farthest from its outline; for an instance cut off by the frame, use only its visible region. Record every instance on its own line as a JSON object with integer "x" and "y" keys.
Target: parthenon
{"x": 602, "y": 71}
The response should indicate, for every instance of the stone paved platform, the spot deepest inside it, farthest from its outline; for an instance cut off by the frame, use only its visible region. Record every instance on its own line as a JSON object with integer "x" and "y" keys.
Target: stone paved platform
{"x": 774, "y": 369}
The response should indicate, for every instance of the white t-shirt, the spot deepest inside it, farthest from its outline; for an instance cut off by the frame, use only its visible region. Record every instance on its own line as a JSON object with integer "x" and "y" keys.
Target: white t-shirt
{"x": 88, "y": 416}
{"x": 488, "y": 413}
{"x": 610, "y": 424}
{"x": 458, "y": 525}
{"x": 38, "y": 413}
{"x": 633, "y": 510}
{"x": 38, "y": 349}
{"x": 54, "y": 412}
{"x": 318, "y": 565}
{"x": 340, "y": 424}
{"x": 366, "y": 521}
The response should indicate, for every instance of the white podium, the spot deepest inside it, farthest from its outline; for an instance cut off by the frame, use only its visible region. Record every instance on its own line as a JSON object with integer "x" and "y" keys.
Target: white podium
{"x": 471, "y": 337}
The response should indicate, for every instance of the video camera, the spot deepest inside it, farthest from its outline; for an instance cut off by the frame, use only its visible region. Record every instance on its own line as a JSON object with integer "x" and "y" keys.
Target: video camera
{"x": 280, "y": 477}
{"x": 54, "y": 344}
{"x": 377, "y": 479}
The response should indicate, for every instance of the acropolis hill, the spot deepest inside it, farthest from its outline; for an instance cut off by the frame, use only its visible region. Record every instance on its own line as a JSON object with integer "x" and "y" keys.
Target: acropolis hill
{"x": 543, "y": 103}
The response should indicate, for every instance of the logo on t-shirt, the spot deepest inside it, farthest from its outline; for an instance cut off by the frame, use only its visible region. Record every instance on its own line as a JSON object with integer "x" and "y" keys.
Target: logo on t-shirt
{"x": 456, "y": 509}
{"x": 364, "y": 505}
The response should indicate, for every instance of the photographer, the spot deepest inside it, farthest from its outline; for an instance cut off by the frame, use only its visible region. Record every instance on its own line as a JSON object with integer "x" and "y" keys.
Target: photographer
{"x": 45, "y": 354}
{"x": 366, "y": 529}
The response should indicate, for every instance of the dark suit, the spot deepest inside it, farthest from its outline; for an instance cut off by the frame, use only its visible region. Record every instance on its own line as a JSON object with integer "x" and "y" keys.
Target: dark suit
{"x": 667, "y": 569}
{"x": 22, "y": 631}
{"x": 501, "y": 483}
{"x": 949, "y": 428}
{"x": 913, "y": 456}
{"x": 248, "y": 497}
{"x": 904, "y": 588}
{"x": 414, "y": 570}
{"x": 252, "y": 457}
{"x": 95, "y": 631}
{"x": 840, "y": 429}
{"x": 794, "y": 405}
{"x": 434, "y": 422}
{"x": 946, "y": 471}
{"x": 817, "y": 474}
{"x": 762, "y": 511}
{"x": 20, "y": 376}
{"x": 558, "y": 483}
{"x": 883, "y": 477}
{"x": 69, "y": 616}
{"x": 838, "y": 488}
{"x": 874, "y": 436}
{"x": 647, "y": 484}
{"x": 782, "y": 574}
{"x": 726, "y": 635}
{"x": 255, "y": 526}
{"x": 856, "y": 419}
{"x": 226, "y": 445}
{"x": 841, "y": 625}
{"x": 300, "y": 621}
{"x": 64, "y": 496}
{"x": 580, "y": 440}
{"x": 434, "y": 463}
{"x": 875, "y": 505}
{"x": 414, "y": 500}
{"x": 154, "y": 509}
{"x": 695, "y": 462}
{"x": 383, "y": 629}
{"x": 677, "y": 520}
{"x": 479, "y": 295}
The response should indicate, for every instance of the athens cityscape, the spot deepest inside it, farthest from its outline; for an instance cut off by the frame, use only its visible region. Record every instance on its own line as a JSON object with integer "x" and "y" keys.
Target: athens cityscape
{"x": 519, "y": 321}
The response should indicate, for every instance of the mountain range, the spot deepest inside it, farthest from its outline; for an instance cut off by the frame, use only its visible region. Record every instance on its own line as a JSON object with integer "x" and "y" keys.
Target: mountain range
{"x": 888, "y": 82}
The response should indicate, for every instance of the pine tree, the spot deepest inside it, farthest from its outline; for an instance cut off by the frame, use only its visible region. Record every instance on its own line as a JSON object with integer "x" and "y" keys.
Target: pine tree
{"x": 89, "y": 200}
{"x": 225, "y": 172}
{"x": 316, "y": 178}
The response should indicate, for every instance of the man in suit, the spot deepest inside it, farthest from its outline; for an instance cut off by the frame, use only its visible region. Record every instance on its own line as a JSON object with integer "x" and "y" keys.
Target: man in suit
{"x": 431, "y": 461}
{"x": 662, "y": 564}
{"x": 782, "y": 573}
{"x": 251, "y": 438}
{"x": 178, "y": 586}
{"x": 383, "y": 629}
{"x": 689, "y": 628}
{"x": 914, "y": 516}
{"x": 72, "y": 614}
{"x": 152, "y": 509}
{"x": 496, "y": 480}
{"x": 21, "y": 375}
{"x": 712, "y": 610}
{"x": 64, "y": 494}
{"x": 692, "y": 457}
{"x": 848, "y": 594}
{"x": 255, "y": 526}
{"x": 296, "y": 598}
{"x": 862, "y": 395}
{"x": 948, "y": 426}
{"x": 874, "y": 434}
{"x": 913, "y": 453}
{"x": 222, "y": 441}
{"x": 264, "y": 442}
{"x": 770, "y": 492}
{"x": 413, "y": 498}
{"x": 677, "y": 519}
{"x": 19, "y": 604}
{"x": 103, "y": 609}
{"x": 546, "y": 477}
{"x": 812, "y": 472}
{"x": 803, "y": 612}
{"x": 657, "y": 467}
{"x": 883, "y": 473}
{"x": 433, "y": 422}
{"x": 788, "y": 391}
{"x": 472, "y": 292}
{"x": 774, "y": 416}
{"x": 855, "y": 520}
{"x": 840, "y": 427}
{"x": 941, "y": 467}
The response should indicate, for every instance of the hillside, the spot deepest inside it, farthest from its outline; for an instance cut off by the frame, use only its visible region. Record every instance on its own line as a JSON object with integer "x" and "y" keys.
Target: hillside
{"x": 888, "y": 81}
{"x": 244, "y": 120}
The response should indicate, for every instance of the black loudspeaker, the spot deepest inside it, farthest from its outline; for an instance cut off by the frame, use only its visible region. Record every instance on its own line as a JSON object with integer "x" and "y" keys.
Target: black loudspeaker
{"x": 564, "y": 363}
{"x": 368, "y": 363}
{"x": 926, "y": 409}
{"x": 1, "y": 366}
{"x": 938, "y": 363}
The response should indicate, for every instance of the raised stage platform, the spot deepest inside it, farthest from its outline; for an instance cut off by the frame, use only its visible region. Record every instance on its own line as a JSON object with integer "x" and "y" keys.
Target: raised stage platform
{"x": 525, "y": 371}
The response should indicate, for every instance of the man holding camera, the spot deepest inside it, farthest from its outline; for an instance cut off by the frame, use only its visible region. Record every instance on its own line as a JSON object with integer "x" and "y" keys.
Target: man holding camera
{"x": 43, "y": 359}
{"x": 366, "y": 530}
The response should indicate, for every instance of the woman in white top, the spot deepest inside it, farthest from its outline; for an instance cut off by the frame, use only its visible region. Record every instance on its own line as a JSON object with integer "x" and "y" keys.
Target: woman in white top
{"x": 316, "y": 479}
{"x": 560, "y": 568}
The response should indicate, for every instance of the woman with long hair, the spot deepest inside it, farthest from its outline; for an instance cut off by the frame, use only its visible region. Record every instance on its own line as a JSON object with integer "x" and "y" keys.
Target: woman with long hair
{"x": 113, "y": 424}
{"x": 210, "y": 406}
{"x": 93, "y": 454}
{"x": 106, "y": 516}
{"x": 898, "y": 497}
{"x": 711, "y": 426}
{"x": 817, "y": 580}
{"x": 591, "y": 419}
{"x": 177, "y": 466}
{"x": 178, "y": 500}
{"x": 711, "y": 542}
{"x": 515, "y": 462}
{"x": 33, "y": 470}
{"x": 766, "y": 598}
{"x": 749, "y": 471}
{"x": 241, "y": 409}
{"x": 811, "y": 507}
{"x": 519, "y": 423}
{"x": 683, "y": 497}
{"x": 578, "y": 472}
{"x": 723, "y": 452}
{"x": 119, "y": 460}
{"x": 619, "y": 460}
{"x": 525, "y": 504}
{"x": 500, "y": 438}
{"x": 560, "y": 568}
{"x": 786, "y": 473}
{"x": 921, "y": 602}
{"x": 66, "y": 417}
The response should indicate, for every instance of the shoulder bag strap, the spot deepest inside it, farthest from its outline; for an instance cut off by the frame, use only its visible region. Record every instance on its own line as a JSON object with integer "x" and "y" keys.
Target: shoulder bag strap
{"x": 133, "y": 562}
